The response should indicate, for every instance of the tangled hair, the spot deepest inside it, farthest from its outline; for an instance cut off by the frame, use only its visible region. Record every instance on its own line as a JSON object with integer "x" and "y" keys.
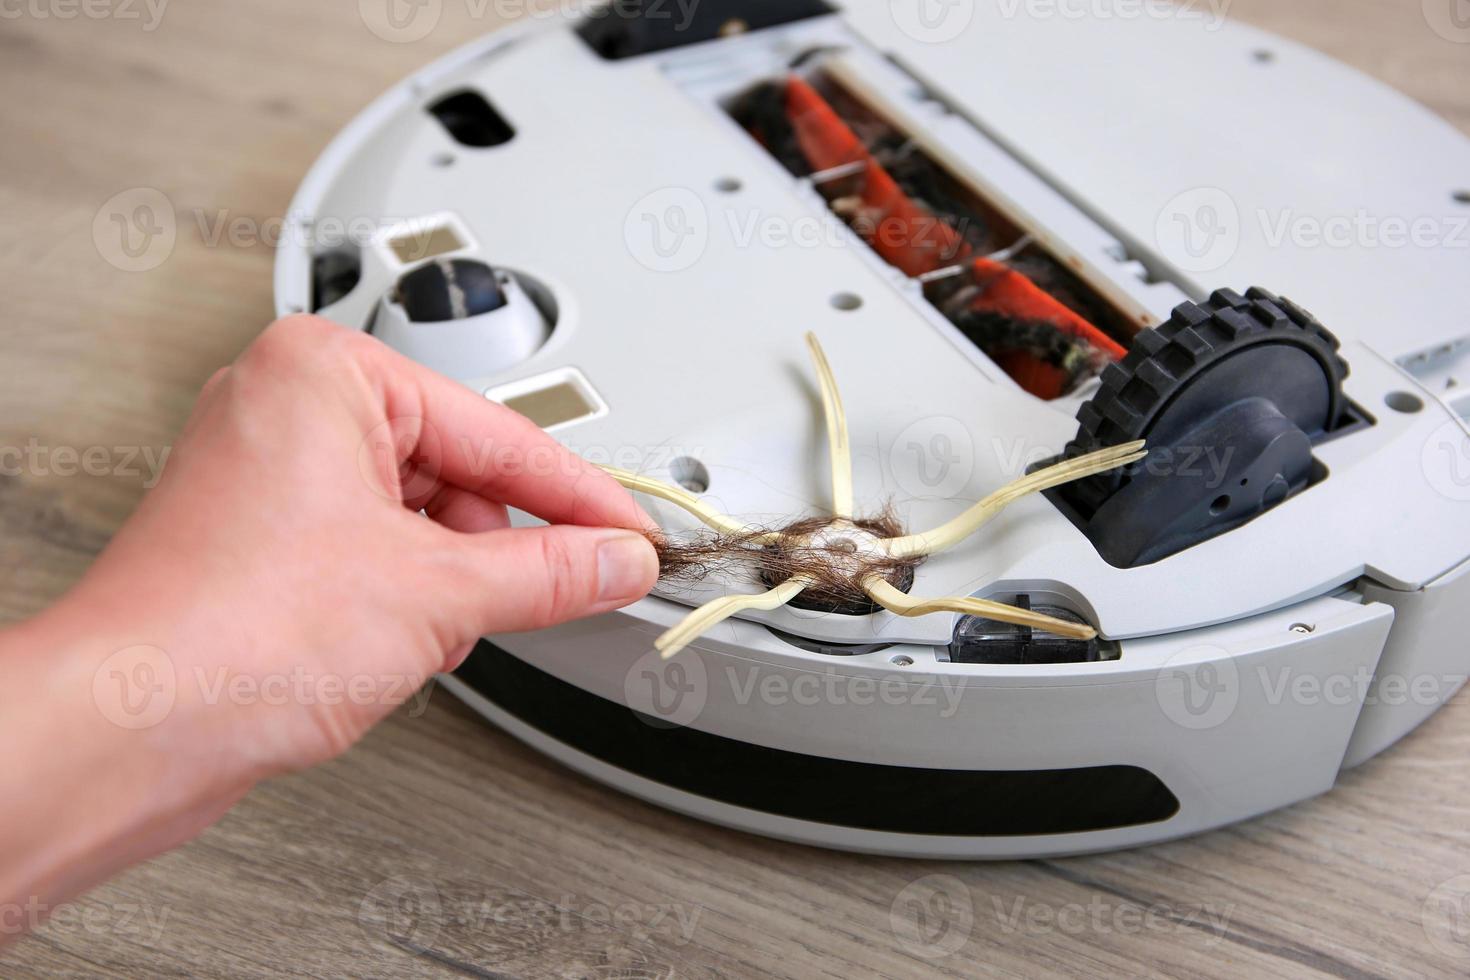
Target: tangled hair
{"x": 836, "y": 575}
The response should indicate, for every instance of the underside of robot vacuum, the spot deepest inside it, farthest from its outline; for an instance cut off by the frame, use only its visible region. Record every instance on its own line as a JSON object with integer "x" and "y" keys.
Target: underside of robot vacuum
{"x": 1011, "y": 507}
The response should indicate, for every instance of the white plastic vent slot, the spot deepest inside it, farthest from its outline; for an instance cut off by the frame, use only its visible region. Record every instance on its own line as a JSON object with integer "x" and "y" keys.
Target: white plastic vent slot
{"x": 552, "y": 400}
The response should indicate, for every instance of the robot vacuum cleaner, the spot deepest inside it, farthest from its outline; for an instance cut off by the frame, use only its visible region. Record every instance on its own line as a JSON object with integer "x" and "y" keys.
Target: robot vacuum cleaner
{"x": 1053, "y": 416}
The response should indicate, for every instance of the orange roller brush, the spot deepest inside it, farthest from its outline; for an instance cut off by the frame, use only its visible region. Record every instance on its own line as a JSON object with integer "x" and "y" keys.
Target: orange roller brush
{"x": 905, "y": 233}
{"x": 1034, "y": 337}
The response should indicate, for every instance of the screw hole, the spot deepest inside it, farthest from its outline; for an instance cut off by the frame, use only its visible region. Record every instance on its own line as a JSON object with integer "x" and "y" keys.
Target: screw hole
{"x": 1403, "y": 401}
{"x": 690, "y": 474}
{"x": 847, "y": 301}
{"x": 1461, "y": 196}
{"x": 1263, "y": 56}
{"x": 1218, "y": 505}
{"x": 1245, "y": 480}
{"x": 902, "y": 661}
{"x": 443, "y": 160}
{"x": 728, "y": 185}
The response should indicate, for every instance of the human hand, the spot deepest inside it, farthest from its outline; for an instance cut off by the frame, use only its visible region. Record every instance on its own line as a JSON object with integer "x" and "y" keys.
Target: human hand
{"x": 279, "y": 591}
{"x": 284, "y": 544}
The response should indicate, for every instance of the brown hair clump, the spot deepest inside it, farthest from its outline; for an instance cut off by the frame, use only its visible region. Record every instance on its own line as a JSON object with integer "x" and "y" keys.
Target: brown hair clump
{"x": 836, "y": 573}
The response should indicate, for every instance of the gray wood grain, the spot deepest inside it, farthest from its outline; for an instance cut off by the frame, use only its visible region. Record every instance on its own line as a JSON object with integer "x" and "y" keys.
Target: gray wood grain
{"x": 442, "y": 848}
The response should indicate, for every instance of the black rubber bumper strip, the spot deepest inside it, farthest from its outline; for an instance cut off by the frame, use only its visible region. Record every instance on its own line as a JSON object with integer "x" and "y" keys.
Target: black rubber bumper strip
{"x": 860, "y": 795}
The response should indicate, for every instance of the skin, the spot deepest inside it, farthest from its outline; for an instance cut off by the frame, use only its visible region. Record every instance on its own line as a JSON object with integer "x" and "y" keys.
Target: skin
{"x": 280, "y": 591}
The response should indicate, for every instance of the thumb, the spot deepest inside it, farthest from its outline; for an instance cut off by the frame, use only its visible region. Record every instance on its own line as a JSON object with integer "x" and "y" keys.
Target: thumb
{"x": 530, "y": 578}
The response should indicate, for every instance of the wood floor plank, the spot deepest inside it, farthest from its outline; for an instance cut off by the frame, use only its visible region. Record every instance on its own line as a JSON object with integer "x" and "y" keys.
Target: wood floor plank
{"x": 443, "y": 848}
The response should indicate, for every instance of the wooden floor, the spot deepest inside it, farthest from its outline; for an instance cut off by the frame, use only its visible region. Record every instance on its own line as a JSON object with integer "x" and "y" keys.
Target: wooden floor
{"x": 441, "y": 847}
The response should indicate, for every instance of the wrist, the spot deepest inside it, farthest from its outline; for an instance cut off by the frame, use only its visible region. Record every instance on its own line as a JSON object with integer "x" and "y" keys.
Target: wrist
{"x": 111, "y": 759}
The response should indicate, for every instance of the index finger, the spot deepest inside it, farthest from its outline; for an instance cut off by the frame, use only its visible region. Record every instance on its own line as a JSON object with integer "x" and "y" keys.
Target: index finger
{"x": 470, "y": 442}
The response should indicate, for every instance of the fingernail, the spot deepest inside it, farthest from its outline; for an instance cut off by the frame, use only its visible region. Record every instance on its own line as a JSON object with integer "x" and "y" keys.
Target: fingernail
{"x": 626, "y": 565}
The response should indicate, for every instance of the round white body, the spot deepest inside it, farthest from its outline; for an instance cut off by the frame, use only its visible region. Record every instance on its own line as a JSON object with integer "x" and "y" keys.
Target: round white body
{"x": 675, "y": 267}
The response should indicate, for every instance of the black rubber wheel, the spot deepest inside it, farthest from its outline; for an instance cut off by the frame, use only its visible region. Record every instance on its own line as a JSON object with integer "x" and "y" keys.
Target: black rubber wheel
{"x": 1205, "y": 356}
{"x": 449, "y": 289}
